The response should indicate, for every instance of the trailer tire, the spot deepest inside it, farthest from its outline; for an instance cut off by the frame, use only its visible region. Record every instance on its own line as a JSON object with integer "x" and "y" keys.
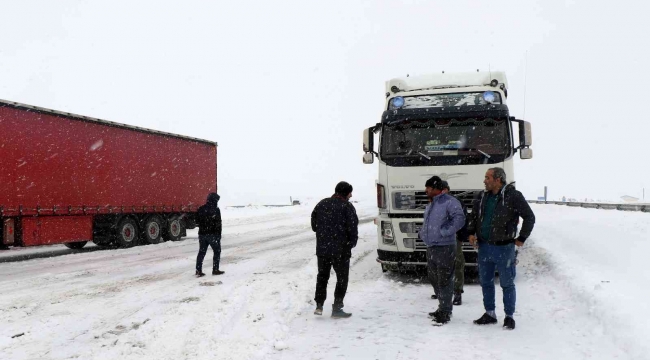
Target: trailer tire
{"x": 174, "y": 229}
{"x": 127, "y": 233}
{"x": 75, "y": 245}
{"x": 152, "y": 230}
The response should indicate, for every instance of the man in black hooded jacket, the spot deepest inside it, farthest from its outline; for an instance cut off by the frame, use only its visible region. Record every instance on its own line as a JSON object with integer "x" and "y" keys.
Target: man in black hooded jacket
{"x": 335, "y": 222}
{"x": 209, "y": 221}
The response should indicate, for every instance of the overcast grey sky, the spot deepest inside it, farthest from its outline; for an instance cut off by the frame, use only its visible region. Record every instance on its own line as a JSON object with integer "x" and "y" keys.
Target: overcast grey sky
{"x": 287, "y": 87}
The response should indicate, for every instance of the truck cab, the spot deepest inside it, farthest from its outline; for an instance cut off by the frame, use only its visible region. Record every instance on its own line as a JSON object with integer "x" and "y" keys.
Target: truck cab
{"x": 453, "y": 125}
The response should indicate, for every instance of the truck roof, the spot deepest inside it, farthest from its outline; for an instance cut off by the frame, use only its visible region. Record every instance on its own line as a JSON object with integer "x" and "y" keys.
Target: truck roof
{"x": 446, "y": 80}
{"x": 98, "y": 121}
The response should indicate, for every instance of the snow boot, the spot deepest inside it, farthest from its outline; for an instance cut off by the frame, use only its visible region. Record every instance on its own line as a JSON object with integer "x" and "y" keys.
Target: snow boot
{"x": 319, "y": 309}
{"x": 509, "y": 323}
{"x": 217, "y": 272}
{"x": 199, "y": 273}
{"x": 458, "y": 298}
{"x": 338, "y": 313}
{"x": 434, "y": 314}
{"x": 485, "y": 320}
{"x": 442, "y": 317}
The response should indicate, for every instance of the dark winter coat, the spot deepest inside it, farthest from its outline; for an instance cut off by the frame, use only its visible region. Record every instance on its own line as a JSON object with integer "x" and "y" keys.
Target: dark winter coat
{"x": 209, "y": 216}
{"x": 462, "y": 234}
{"x": 511, "y": 205}
{"x": 335, "y": 222}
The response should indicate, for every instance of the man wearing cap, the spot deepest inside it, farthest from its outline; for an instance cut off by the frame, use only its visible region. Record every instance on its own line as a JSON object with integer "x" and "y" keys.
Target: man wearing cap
{"x": 335, "y": 222}
{"x": 459, "y": 268}
{"x": 443, "y": 217}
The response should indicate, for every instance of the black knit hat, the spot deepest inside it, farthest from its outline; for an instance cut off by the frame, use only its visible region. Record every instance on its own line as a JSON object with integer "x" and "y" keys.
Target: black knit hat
{"x": 343, "y": 188}
{"x": 435, "y": 182}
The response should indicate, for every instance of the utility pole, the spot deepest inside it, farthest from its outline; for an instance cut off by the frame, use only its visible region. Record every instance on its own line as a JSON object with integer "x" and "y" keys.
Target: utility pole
{"x": 545, "y": 193}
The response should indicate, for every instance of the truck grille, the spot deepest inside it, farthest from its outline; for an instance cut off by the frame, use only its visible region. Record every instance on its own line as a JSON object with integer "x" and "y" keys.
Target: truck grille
{"x": 464, "y": 196}
{"x": 420, "y": 245}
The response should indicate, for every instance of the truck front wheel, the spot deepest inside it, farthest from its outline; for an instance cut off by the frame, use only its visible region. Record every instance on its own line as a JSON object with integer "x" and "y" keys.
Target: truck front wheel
{"x": 76, "y": 245}
{"x": 127, "y": 233}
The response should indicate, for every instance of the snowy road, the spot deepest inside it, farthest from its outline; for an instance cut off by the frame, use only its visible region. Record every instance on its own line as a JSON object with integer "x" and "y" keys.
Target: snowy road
{"x": 145, "y": 303}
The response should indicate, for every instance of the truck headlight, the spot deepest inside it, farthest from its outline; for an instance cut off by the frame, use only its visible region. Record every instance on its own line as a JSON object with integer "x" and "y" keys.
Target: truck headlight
{"x": 388, "y": 237}
{"x": 404, "y": 200}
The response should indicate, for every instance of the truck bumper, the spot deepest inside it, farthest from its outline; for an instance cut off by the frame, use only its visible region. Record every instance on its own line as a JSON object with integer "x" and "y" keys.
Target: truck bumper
{"x": 396, "y": 260}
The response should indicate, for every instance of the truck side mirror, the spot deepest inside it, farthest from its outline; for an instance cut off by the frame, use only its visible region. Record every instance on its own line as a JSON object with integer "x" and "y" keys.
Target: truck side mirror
{"x": 525, "y": 134}
{"x": 369, "y": 145}
{"x": 368, "y": 140}
{"x": 526, "y": 153}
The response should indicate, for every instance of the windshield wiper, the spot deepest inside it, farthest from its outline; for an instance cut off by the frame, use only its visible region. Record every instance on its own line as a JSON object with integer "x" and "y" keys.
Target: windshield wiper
{"x": 425, "y": 156}
{"x": 478, "y": 150}
{"x": 410, "y": 153}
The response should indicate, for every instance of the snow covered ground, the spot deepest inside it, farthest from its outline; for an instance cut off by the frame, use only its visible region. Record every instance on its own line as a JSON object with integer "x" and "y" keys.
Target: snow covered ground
{"x": 582, "y": 294}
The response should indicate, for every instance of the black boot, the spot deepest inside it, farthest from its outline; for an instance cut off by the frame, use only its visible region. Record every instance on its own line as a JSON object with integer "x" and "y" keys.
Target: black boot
{"x": 509, "y": 323}
{"x": 199, "y": 273}
{"x": 458, "y": 298}
{"x": 217, "y": 272}
{"x": 337, "y": 311}
{"x": 442, "y": 317}
{"x": 485, "y": 320}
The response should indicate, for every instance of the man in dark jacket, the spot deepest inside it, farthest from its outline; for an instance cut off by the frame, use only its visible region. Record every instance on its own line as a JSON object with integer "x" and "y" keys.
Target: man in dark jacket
{"x": 335, "y": 222}
{"x": 209, "y": 221}
{"x": 493, "y": 225}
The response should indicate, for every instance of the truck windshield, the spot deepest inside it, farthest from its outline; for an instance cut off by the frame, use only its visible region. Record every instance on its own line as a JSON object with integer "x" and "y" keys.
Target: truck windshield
{"x": 446, "y": 142}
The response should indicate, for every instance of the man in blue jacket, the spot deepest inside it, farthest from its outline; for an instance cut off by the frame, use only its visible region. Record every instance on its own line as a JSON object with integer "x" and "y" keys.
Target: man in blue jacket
{"x": 443, "y": 217}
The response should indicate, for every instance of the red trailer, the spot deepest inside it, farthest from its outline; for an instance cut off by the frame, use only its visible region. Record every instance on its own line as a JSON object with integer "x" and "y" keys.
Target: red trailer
{"x": 71, "y": 179}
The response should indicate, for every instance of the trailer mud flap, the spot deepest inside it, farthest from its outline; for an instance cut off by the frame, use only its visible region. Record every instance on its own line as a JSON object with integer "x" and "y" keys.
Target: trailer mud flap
{"x": 49, "y": 230}
{"x": 8, "y": 231}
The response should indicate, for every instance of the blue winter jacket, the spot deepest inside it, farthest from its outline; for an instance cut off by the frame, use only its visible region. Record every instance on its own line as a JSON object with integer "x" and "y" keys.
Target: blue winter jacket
{"x": 443, "y": 217}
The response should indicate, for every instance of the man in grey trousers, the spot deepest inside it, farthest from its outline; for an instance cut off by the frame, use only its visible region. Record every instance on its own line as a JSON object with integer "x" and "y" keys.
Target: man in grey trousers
{"x": 443, "y": 217}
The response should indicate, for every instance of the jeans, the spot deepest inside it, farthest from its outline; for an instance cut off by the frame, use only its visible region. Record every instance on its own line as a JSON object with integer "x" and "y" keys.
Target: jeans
{"x": 502, "y": 259}
{"x": 213, "y": 241}
{"x": 341, "y": 267}
{"x": 441, "y": 262}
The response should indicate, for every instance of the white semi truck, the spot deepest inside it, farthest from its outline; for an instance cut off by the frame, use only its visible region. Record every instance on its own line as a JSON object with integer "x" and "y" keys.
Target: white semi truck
{"x": 454, "y": 125}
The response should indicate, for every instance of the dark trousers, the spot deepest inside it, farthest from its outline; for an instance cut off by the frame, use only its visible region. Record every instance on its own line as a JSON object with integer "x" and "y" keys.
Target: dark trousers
{"x": 341, "y": 267}
{"x": 441, "y": 261}
{"x": 459, "y": 272}
{"x": 213, "y": 241}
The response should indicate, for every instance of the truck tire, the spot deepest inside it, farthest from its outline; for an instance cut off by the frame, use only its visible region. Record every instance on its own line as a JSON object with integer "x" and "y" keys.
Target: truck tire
{"x": 174, "y": 229}
{"x": 126, "y": 233}
{"x": 75, "y": 245}
{"x": 152, "y": 230}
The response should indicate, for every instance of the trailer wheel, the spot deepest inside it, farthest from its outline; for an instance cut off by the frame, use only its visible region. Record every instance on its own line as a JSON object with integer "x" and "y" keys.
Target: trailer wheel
{"x": 152, "y": 230}
{"x": 174, "y": 229}
{"x": 76, "y": 245}
{"x": 127, "y": 233}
